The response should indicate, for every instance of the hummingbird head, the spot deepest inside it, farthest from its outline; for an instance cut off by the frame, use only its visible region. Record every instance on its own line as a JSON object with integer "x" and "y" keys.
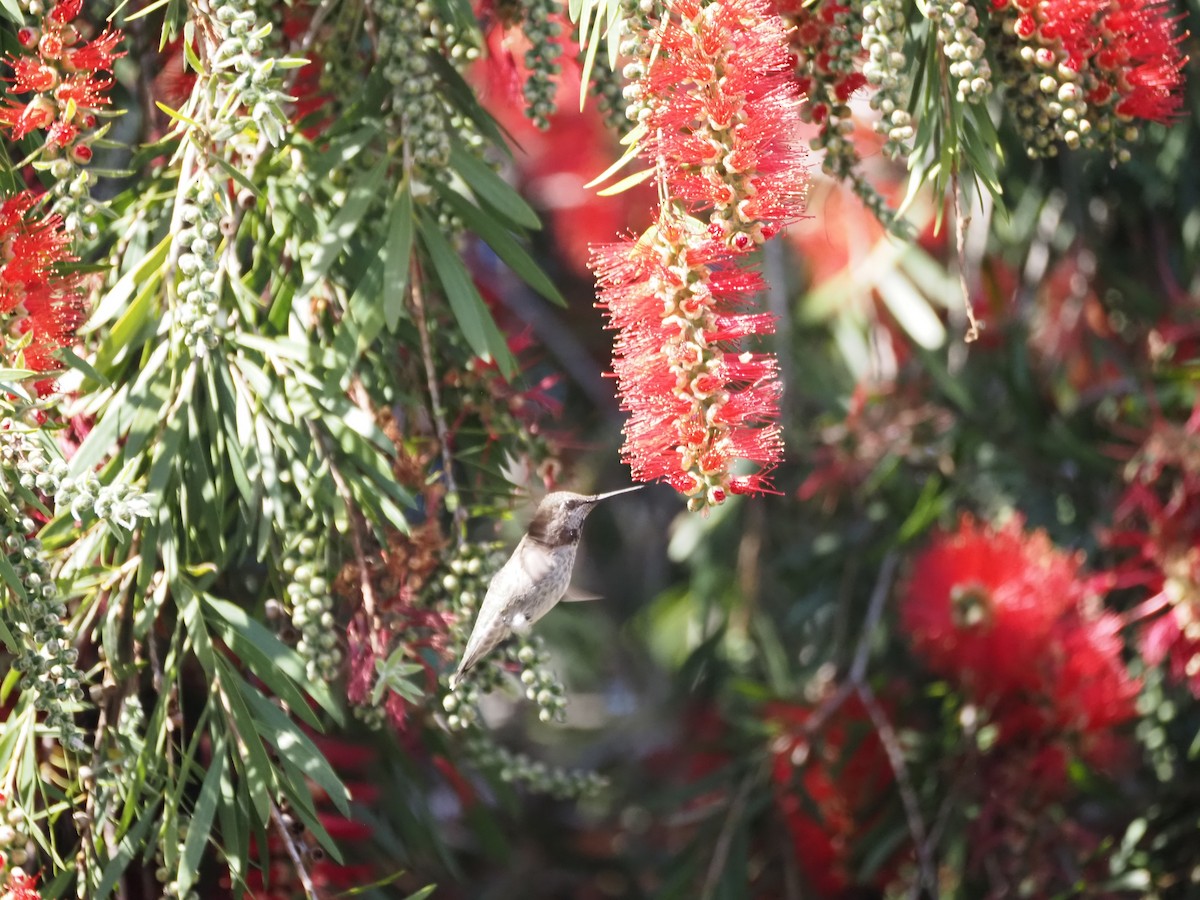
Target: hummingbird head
{"x": 559, "y": 517}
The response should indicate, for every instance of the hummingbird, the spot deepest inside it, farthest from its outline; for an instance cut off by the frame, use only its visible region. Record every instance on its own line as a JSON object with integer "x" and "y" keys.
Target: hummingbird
{"x": 535, "y": 577}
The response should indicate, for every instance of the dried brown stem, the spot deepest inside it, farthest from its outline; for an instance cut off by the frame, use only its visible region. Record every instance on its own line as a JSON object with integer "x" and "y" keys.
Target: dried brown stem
{"x": 908, "y": 795}
{"x": 453, "y": 498}
{"x": 358, "y": 544}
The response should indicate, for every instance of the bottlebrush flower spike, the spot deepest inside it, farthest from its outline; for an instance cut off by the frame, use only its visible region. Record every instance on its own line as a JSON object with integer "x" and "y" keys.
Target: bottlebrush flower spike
{"x": 720, "y": 112}
{"x": 35, "y": 299}
{"x": 69, "y": 78}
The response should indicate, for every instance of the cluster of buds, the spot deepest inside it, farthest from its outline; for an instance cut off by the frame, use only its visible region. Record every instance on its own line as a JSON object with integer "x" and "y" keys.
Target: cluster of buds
{"x": 118, "y": 505}
{"x": 542, "y": 29}
{"x": 519, "y": 769}
{"x": 958, "y": 33}
{"x": 826, "y": 42}
{"x": 164, "y": 873}
{"x": 541, "y": 685}
{"x": 1082, "y": 73}
{"x": 883, "y": 38}
{"x": 239, "y": 66}
{"x": 608, "y": 88}
{"x": 69, "y": 80}
{"x": 310, "y": 604}
{"x": 39, "y": 305}
{"x": 196, "y": 243}
{"x": 46, "y": 658}
{"x": 714, "y": 94}
{"x": 417, "y": 111}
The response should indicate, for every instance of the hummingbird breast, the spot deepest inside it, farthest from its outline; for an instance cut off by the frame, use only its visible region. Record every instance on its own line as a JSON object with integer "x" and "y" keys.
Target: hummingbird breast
{"x": 551, "y": 576}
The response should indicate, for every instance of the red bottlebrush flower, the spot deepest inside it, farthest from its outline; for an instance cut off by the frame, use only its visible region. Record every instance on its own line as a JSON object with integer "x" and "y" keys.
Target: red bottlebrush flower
{"x": 1142, "y": 38}
{"x": 721, "y": 116}
{"x": 1092, "y": 690}
{"x": 830, "y": 790}
{"x": 21, "y": 886}
{"x": 695, "y": 406}
{"x": 37, "y": 303}
{"x": 981, "y": 603}
{"x": 66, "y": 77}
{"x": 96, "y": 55}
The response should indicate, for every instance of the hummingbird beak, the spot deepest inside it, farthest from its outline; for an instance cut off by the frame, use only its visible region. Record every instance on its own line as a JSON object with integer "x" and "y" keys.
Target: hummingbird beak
{"x": 596, "y": 498}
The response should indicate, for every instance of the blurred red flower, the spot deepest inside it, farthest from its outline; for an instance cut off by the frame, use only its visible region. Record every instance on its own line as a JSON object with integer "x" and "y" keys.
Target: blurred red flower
{"x": 1156, "y": 526}
{"x": 1000, "y": 613}
{"x": 830, "y": 789}
{"x": 980, "y": 605}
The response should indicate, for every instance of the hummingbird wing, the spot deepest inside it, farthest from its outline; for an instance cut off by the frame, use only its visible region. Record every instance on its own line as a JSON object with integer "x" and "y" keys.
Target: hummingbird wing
{"x": 576, "y": 595}
{"x": 508, "y": 592}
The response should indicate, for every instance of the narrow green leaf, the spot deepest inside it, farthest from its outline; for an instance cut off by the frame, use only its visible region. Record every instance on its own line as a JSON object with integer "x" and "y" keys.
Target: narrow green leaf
{"x": 629, "y": 181}
{"x": 489, "y": 186}
{"x": 498, "y": 238}
{"x": 362, "y": 194}
{"x": 259, "y": 775}
{"x": 12, "y": 11}
{"x": 630, "y": 154}
{"x": 9, "y": 575}
{"x": 116, "y": 298}
{"x": 398, "y": 257}
{"x": 250, "y": 635}
{"x": 234, "y": 815}
{"x": 468, "y": 307}
{"x": 201, "y": 823}
{"x": 279, "y": 730}
{"x": 237, "y": 175}
{"x": 589, "y": 61}
{"x": 126, "y": 850}
{"x": 146, "y": 10}
{"x": 178, "y": 116}
{"x": 81, "y": 365}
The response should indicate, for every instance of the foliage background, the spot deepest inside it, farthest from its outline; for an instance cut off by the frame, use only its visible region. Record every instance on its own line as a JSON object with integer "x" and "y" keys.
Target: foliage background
{"x": 329, "y": 466}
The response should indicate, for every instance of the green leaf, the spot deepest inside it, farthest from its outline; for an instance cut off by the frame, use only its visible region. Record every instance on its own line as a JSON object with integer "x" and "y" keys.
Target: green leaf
{"x": 126, "y": 850}
{"x": 237, "y": 175}
{"x": 257, "y": 772}
{"x": 321, "y": 257}
{"x": 137, "y": 277}
{"x": 200, "y": 826}
{"x": 9, "y": 575}
{"x": 499, "y": 239}
{"x": 924, "y": 512}
{"x": 12, "y": 11}
{"x": 275, "y": 727}
{"x": 472, "y": 315}
{"x": 81, "y": 365}
{"x": 178, "y": 116}
{"x": 251, "y": 640}
{"x": 397, "y": 256}
{"x": 489, "y": 186}
{"x": 393, "y": 676}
